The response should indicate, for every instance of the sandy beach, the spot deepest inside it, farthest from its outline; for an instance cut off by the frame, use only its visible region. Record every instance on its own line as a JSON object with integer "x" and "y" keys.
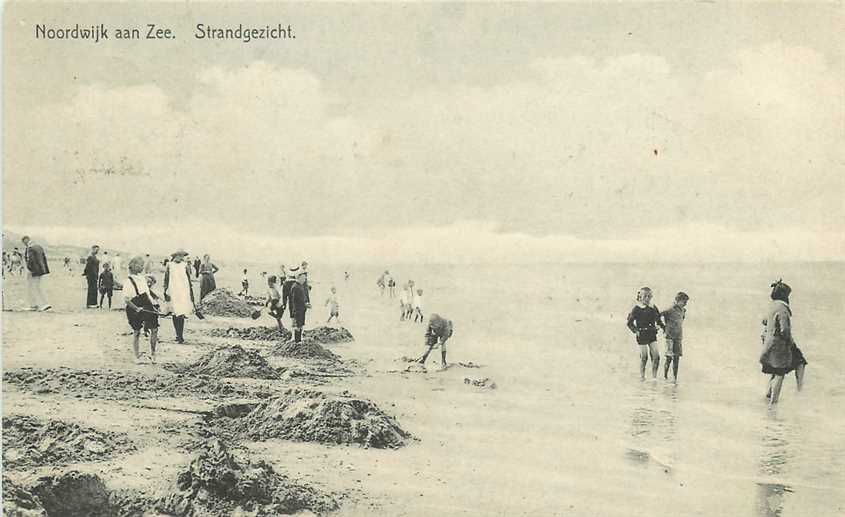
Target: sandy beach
{"x": 568, "y": 428}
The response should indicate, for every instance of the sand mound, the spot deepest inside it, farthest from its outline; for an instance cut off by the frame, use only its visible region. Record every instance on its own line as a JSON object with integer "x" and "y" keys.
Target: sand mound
{"x": 122, "y": 385}
{"x": 252, "y": 333}
{"x": 222, "y": 302}
{"x": 231, "y": 361}
{"x": 216, "y": 483}
{"x": 20, "y": 502}
{"x": 73, "y": 494}
{"x": 28, "y": 441}
{"x": 328, "y": 335}
{"x": 313, "y": 416}
{"x": 305, "y": 350}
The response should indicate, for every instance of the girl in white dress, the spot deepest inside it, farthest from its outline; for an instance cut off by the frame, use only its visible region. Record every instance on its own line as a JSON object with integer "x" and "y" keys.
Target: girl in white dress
{"x": 179, "y": 292}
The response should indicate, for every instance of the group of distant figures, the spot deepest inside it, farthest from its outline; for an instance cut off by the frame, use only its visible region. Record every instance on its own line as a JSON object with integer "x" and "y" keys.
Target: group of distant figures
{"x": 290, "y": 291}
{"x": 780, "y": 354}
{"x": 410, "y": 298}
{"x": 439, "y": 329}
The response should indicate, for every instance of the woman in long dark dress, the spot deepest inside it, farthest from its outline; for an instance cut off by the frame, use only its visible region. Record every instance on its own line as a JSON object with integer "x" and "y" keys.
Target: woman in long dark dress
{"x": 92, "y": 273}
{"x": 780, "y": 353}
{"x": 207, "y": 271}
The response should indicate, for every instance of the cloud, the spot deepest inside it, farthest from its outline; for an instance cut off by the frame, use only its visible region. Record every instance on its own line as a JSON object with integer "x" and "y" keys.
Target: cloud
{"x": 578, "y": 154}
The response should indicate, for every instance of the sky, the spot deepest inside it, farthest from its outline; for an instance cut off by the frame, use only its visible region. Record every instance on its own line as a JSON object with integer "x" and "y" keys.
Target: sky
{"x": 434, "y": 132}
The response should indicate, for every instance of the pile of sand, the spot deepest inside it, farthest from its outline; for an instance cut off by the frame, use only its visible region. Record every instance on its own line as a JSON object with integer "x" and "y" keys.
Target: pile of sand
{"x": 73, "y": 494}
{"x": 252, "y": 333}
{"x": 222, "y": 302}
{"x": 123, "y": 385}
{"x": 305, "y": 350}
{"x": 20, "y": 502}
{"x": 230, "y": 361}
{"x": 314, "y": 416}
{"x": 328, "y": 335}
{"x": 30, "y": 442}
{"x": 216, "y": 483}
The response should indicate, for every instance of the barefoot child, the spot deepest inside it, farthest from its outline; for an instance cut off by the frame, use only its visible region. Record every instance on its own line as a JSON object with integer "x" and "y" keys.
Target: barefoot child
{"x": 439, "y": 329}
{"x": 244, "y": 285}
{"x": 334, "y": 306}
{"x": 405, "y": 302}
{"x": 418, "y": 306}
{"x": 274, "y": 302}
{"x": 106, "y": 284}
{"x": 140, "y": 308}
{"x": 641, "y": 321}
{"x": 673, "y": 319}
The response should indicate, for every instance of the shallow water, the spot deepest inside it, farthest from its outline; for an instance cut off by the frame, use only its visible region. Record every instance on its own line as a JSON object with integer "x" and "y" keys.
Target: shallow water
{"x": 554, "y": 340}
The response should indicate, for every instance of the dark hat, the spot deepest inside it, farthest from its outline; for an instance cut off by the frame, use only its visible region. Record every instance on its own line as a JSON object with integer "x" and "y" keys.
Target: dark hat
{"x": 179, "y": 252}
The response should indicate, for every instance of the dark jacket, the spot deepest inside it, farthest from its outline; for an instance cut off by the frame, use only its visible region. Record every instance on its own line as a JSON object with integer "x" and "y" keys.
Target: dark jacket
{"x": 92, "y": 267}
{"x": 286, "y": 288}
{"x": 106, "y": 281}
{"x": 36, "y": 260}
{"x": 298, "y": 301}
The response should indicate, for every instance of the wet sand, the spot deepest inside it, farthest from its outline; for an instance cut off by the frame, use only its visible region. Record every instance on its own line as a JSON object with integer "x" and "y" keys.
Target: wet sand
{"x": 548, "y": 440}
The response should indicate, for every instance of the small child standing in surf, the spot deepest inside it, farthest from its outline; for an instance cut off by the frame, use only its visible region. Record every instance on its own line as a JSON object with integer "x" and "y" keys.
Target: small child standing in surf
{"x": 643, "y": 321}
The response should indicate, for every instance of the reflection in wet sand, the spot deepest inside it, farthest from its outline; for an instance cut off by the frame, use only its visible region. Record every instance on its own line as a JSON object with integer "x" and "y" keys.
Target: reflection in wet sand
{"x": 654, "y": 424}
{"x": 769, "y": 498}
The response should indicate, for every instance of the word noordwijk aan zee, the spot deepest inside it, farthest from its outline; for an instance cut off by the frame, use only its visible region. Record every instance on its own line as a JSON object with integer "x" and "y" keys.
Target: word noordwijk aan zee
{"x": 150, "y": 31}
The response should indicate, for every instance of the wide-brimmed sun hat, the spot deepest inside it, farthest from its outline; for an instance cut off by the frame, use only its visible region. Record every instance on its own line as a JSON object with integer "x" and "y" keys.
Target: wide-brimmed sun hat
{"x": 178, "y": 253}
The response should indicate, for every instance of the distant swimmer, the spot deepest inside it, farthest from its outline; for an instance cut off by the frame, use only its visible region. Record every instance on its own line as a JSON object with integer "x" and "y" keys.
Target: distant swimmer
{"x": 781, "y": 354}
{"x": 642, "y": 321}
{"x": 673, "y": 319}
{"x": 439, "y": 330}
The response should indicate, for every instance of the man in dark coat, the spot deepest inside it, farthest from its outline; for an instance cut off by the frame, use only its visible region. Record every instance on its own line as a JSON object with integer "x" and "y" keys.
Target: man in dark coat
{"x": 37, "y": 269}
{"x": 298, "y": 305}
{"x": 92, "y": 273}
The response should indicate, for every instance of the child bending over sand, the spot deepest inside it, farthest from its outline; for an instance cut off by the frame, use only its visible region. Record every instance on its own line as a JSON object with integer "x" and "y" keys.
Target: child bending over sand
{"x": 641, "y": 321}
{"x": 673, "y": 320}
{"x": 140, "y": 308}
{"x": 439, "y": 330}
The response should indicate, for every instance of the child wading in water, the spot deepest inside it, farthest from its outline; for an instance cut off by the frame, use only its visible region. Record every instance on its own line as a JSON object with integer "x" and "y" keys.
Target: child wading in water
{"x": 334, "y": 306}
{"x": 674, "y": 333}
{"x": 641, "y": 321}
{"x": 106, "y": 284}
{"x": 274, "y": 302}
{"x": 140, "y": 308}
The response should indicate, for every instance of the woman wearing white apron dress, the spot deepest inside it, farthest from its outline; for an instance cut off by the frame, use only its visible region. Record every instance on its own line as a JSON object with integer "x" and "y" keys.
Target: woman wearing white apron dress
{"x": 179, "y": 292}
